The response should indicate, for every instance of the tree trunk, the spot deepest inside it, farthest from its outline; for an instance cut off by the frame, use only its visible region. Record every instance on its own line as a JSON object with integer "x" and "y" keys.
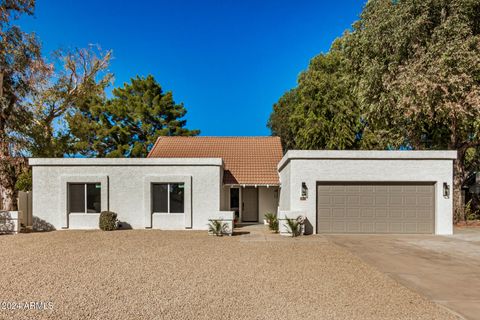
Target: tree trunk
{"x": 7, "y": 186}
{"x": 458, "y": 179}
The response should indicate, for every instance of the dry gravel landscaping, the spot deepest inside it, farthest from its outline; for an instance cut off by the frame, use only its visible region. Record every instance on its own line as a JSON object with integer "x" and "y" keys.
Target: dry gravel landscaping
{"x": 150, "y": 274}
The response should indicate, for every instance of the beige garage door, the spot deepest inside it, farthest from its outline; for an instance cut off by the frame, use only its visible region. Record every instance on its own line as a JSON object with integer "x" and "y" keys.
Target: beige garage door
{"x": 375, "y": 208}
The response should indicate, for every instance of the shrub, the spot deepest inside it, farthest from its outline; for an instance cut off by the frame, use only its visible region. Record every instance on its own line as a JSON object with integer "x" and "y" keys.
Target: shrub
{"x": 272, "y": 221}
{"x": 24, "y": 181}
{"x": 217, "y": 227}
{"x": 470, "y": 214}
{"x": 108, "y": 221}
{"x": 293, "y": 227}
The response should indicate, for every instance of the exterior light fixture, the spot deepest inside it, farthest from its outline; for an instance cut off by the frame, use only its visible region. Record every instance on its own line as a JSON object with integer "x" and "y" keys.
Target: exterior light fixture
{"x": 446, "y": 190}
{"x": 304, "y": 195}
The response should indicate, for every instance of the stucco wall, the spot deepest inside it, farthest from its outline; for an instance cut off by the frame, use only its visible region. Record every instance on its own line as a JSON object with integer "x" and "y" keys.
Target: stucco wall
{"x": 380, "y": 167}
{"x": 284, "y": 201}
{"x": 125, "y": 190}
{"x": 267, "y": 201}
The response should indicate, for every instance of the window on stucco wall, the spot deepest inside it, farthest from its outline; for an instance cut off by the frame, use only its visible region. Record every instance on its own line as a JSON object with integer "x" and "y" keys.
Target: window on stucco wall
{"x": 168, "y": 197}
{"x": 84, "y": 197}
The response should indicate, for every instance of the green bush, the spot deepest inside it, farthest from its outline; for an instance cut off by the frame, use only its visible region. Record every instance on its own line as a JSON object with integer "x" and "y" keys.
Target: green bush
{"x": 272, "y": 221}
{"x": 24, "y": 181}
{"x": 293, "y": 227}
{"x": 217, "y": 228}
{"x": 108, "y": 221}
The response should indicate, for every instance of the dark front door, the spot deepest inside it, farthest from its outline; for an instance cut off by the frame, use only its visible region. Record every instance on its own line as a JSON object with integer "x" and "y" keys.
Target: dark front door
{"x": 235, "y": 201}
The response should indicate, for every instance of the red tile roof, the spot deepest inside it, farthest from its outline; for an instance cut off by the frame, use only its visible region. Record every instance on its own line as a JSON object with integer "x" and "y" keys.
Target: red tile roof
{"x": 247, "y": 160}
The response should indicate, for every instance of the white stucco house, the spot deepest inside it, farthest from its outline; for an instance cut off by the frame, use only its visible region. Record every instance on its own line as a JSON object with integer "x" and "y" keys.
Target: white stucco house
{"x": 185, "y": 181}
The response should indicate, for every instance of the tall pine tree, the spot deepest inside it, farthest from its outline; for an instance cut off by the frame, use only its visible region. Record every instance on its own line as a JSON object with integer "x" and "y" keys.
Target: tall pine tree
{"x": 128, "y": 124}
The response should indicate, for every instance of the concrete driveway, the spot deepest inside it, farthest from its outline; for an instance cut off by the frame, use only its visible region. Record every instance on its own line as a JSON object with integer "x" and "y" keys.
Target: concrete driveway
{"x": 445, "y": 269}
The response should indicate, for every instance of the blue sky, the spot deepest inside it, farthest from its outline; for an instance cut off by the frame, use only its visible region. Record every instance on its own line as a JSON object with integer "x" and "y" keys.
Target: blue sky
{"x": 227, "y": 61}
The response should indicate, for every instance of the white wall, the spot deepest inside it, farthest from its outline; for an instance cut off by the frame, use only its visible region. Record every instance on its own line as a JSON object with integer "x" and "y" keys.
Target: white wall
{"x": 284, "y": 201}
{"x": 124, "y": 189}
{"x": 380, "y": 167}
{"x": 267, "y": 201}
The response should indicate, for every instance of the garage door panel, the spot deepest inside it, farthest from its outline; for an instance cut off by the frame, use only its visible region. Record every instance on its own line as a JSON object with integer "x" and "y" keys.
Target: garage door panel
{"x": 410, "y": 189}
{"x": 381, "y": 227}
{"x": 381, "y": 212}
{"x": 381, "y": 189}
{"x": 424, "y": 227}
{"x": 424, "y": 201}
{"x": 338, "y": 188}
{"x": 411, "y": 200}
{"x": 395, "y": 200}
{"x": 410, "y": 213}
{"x": 395, "y": 189}
{"x": 324, "y": 212}
{"x": 338, "y": 212}
{"x": 367, "y": 200}
{"x": 339, "y": 227}
{"x": 381, "y": 200}
{"x": 423, "y": 213}
{"x": 339, "y": 200}
{"x": 375, "y": 208}
{"x": 324, "y": 200}
{"x": 353, "y": 227}
{"x": 367, "y": 212}
{"x": 368, "y": 227}
{"x": 353, "y": 200}
{"x": 424, "y": 189}
{"x": 352, "y": 189}
{"x": 396, "y": 227}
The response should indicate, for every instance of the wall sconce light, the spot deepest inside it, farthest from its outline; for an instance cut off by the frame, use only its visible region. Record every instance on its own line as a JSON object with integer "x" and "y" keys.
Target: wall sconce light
{"x": 446, "y": 190}
{"x": 304, "y": 195}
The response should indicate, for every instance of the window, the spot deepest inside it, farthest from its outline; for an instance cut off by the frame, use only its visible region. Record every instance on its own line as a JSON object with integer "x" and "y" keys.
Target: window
{"x": 84, "y": 198}
{"x": 168, "y": 197}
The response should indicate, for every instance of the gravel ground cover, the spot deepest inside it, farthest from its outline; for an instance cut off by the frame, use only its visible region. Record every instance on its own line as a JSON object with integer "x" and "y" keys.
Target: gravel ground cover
{"x": 149, "y": 274}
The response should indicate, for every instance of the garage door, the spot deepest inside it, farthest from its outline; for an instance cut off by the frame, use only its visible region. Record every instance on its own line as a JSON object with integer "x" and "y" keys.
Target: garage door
{"x": 375, "y": 208}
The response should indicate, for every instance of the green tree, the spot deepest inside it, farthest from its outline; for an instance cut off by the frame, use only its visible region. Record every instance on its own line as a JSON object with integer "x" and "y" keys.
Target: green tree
{"x": 20, "y": 61}
{"x": 128, "y": 124}
{"x": 80, "y": 75}
{"x": 418, "y": 69}
{"x": 321, "y": 112}
{"x": 279, "y": 122}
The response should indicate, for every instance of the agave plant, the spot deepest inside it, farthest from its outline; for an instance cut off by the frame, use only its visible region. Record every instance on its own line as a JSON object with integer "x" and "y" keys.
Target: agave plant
{"x": 272, "y": 221}
{"x": 294, "y": 226}
{"x": 217, "y": 227}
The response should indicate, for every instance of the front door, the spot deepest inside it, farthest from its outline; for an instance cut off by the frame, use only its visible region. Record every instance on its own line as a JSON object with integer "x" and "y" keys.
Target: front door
{"x": 250, "y": 204}
{"x": 235, "y": 201}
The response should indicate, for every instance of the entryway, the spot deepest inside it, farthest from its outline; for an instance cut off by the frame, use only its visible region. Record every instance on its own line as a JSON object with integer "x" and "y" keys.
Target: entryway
{"x": 244, "y": 202}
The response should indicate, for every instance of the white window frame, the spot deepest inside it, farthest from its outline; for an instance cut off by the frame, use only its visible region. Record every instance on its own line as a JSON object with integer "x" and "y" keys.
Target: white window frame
{"x": 168, "y": 196}
{"x": 85, "y": 210}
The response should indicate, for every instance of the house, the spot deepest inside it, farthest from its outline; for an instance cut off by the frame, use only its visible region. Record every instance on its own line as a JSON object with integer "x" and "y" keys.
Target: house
{"x": 185, "y": 181}
{"x": 182, "y": 183}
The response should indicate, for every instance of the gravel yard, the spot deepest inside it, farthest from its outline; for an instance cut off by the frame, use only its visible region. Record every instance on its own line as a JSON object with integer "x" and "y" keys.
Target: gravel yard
{"x": 150, "y": 274}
